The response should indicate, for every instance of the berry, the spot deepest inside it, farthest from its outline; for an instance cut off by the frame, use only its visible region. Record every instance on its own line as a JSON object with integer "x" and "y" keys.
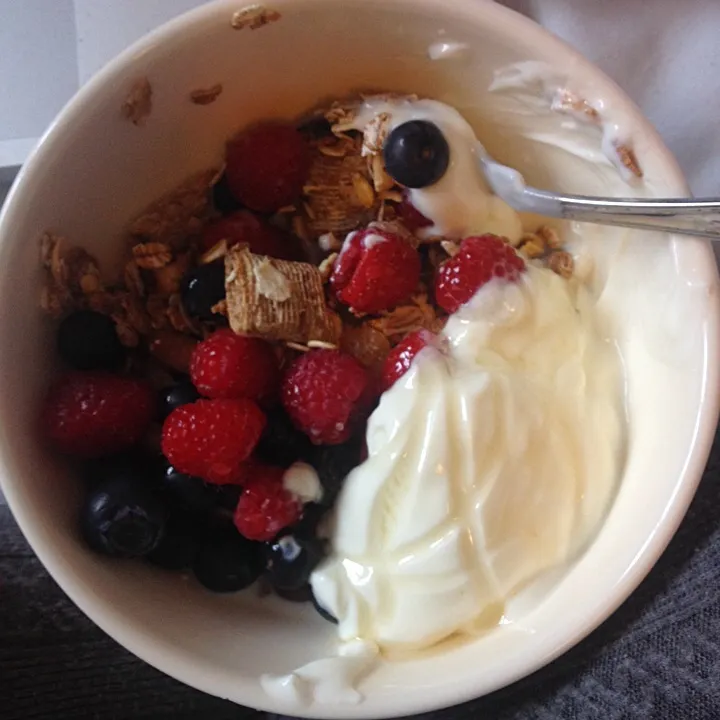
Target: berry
{"x": 223, "y": 199}
{"x": 333, "y": 464}
{"x": 227, "y": 562}
{"x": 416, "y": 154}
{"x": 177, "y": 547}
{"x": 191, "y": 493}
{"x": 261, "y": 237}
{"x": 375, "y": 271}
{"x": 267, "y": 166}
{"x": 301, "y": 595}
{"x": 281, "y": 442}
{"x": 182, "y": 393}
{"x": 266, "y": 507}
{"x": 479, "y": 260}
{"x": 326, "y": 393}
{"x": 87, "y": 340}
{"x": 203, "y": 288}
{"x": 211, "y": 439}
{"x": 226, "y": 365}
{"x": 95, "y": 413}
{"x": 122, "y": 518}
{"x": 291, "y": 558}
{"x": 410, "y": 216}
{"x": 323, "y": 612}
{"x": 401, "y": 356}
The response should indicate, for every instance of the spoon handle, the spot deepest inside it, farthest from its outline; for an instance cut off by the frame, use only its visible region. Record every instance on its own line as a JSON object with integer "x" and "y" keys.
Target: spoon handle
{"x": 700, "y": 217}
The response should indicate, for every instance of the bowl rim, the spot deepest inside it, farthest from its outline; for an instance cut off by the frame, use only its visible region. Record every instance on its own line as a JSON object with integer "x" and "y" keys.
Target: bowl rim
{"x": 110, "y": 620}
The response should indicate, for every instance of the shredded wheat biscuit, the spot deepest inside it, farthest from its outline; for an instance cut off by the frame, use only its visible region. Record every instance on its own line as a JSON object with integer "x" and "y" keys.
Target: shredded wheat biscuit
{"x": 300, "y": 318}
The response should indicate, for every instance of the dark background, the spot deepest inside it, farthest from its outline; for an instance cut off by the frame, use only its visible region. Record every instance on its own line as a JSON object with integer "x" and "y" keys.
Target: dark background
{"x": 656, "y": 658}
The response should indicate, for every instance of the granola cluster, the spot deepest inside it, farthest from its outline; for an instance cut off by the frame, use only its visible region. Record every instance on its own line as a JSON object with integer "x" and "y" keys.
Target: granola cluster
{"x": 283, "y": 301}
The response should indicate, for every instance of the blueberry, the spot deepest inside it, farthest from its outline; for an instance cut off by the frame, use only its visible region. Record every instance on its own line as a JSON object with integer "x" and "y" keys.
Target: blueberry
{"x": 333, "y": 464}
{"x": 223, "y": 200}
{"x": 202, "y": 288}
{"x": 301, "y": 595}
{"x": 228, "y": 562}
{"x": 132, "y": 466}
{"x": 323, "y": 612}
{"x": 178, "y": 546}
{"x": 291, "y": 558}
{"x": 182, "y": 393}
{"x": 122, "y": 517}
{"x": 281, "y": 443}
{"x": 193, "y": 494}
{"x": 87, "y": 340}
{"x": 416, "y": 154}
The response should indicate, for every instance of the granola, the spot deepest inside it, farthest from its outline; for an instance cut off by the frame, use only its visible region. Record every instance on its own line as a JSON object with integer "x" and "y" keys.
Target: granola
{"x": 137, "y": 106}
{"x": 206, "y": 96}
{"x": 254, "y": 17}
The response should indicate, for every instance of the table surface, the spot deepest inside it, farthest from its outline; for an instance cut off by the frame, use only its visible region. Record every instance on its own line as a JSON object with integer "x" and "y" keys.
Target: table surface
{"x": 657, "y": 657}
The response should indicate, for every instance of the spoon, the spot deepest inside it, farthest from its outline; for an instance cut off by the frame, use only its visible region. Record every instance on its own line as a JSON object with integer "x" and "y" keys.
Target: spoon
{"x": 700, "y": 217}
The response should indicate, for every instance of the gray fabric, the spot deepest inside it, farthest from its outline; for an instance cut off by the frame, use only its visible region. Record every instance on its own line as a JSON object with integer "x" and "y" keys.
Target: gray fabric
{"x": 657, "y": 658}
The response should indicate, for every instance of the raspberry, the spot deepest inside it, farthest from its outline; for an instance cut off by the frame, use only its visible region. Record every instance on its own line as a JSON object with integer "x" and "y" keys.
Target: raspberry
{"x": 479, "y": 260}
{"x": 267, "y": 166}
{"x": 226, "y": 365}
{"x": 410, "y": 216}
{"x": 211, "y": 439}
{"x": 376, "y": 270}
{"x": 91, "y": 414}
{"x": 401, "y": 356}
{"x": 260, "y": 236}
{"x": 326, "y": 393}
{"x": 266, "y": 507}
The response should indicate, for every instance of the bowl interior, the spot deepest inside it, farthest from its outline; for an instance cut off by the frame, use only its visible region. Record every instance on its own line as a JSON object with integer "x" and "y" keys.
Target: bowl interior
{"x": 94, "y": 171}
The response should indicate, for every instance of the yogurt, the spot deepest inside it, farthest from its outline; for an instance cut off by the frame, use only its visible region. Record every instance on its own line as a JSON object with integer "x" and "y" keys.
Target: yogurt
{"x": 489, "y": 462}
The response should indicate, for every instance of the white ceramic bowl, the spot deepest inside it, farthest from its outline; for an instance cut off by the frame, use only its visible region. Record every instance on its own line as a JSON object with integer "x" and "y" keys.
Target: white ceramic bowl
{"x": 93, "y": 171}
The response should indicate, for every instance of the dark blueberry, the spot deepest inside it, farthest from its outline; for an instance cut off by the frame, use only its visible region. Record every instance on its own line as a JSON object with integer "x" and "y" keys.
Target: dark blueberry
{"x": 313, "y": 513}
{"x": 182, "y": 393}
{"x": 228, "y": 562}
{"x": 281, "y": 443}
{"x": 176, "y": 549}
{"x": 301, "y": 595}
{"x": 87, "y": 340}
{"x": 227, "y": 496}
{"x": 202, "y": 288}
{"x": 334, "y": 463}
{"x": 416, "y": 154}
{"x": 195, "y": 495}
{"x": 291, "y": 557}
{"x": 122, "y": 517}
{"x": 134, "y": 465}
{"x": 323, "y": 612}
{"x": 223, "y": 200}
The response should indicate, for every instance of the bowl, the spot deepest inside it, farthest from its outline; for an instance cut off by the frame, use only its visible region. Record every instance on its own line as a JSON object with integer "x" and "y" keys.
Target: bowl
{"x": 94, "y": 170}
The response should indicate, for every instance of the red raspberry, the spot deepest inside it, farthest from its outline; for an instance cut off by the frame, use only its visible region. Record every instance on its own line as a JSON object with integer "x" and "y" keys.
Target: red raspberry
{"x": 401, "y": 356}
{"x": 375, "y": 271}
{"x": 267, "y": 166}
{"x": 266, "y": 507}
{"x": 260, "y": 236}
{"x": 211, "y": 439}
{"x": 410, "y": 216}
{"x": 326, "y": 394}
{"x": 479, "y": 260}
{"x": 91, "y": 414}
{"x": 226, "y": 365}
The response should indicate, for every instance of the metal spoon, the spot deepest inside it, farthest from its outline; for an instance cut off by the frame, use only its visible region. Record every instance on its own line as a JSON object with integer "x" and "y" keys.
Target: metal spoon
{"x": 685, "y": 216}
